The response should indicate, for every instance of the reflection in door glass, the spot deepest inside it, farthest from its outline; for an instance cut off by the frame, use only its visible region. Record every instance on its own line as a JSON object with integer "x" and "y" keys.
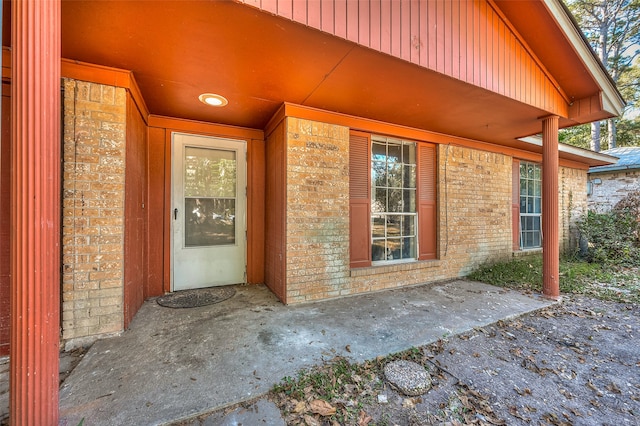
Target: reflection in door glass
{"x": 209, "y": 222}
{"x": 210, "y": 191}
{"x": 209, "y": 173}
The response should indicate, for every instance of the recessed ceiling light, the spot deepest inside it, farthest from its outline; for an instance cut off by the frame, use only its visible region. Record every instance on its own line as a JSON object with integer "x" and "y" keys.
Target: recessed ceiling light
{"x": 213, "y": 100}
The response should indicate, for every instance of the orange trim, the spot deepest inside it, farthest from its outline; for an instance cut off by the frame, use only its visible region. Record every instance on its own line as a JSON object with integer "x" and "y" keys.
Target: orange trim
{"x": 387, "y": 129}
{"x": 201, "y": 127}
{"x": 167, "y": 212}
{"x": 106, "y": 75}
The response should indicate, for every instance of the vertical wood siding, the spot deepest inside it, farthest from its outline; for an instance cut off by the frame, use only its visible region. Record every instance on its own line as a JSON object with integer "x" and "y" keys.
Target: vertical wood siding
{"x": 469, "y": 40}
{"x": 134, "y": 212}
{"x": 276, "y": 213}
{"x": 5, "y": 197}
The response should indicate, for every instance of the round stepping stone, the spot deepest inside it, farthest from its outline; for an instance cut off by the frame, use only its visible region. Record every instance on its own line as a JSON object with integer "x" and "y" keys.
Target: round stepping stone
{"x": 408, "y": 377}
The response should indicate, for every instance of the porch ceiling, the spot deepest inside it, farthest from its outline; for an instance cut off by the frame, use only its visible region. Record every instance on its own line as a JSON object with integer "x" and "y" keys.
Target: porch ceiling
{"x": 178, "y": 50}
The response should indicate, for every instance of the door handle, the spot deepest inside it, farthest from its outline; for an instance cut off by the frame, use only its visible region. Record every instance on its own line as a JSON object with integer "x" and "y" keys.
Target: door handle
{"x": 175, "y": 214}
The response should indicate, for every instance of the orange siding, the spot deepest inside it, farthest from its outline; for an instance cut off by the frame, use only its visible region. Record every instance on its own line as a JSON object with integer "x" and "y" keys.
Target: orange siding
{"x": 5, "y": 186}
{"x": 155, "y": 212}
{"x": 255, "y": 211}
{"x": 468, "y": 40}
{"x": 134, "y": 212}
{"x": 275, "y": 217}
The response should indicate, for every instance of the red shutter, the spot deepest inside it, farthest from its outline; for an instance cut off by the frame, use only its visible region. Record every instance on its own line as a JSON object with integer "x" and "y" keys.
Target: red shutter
{"x": 359, "y": 200}
{"x": 427, "y": 219}
{"x": 515, "y": 204}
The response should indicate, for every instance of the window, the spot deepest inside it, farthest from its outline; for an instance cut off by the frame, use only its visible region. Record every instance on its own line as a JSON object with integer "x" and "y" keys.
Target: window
{"x": 530, "y": 205}
{"x": 392, "y": 200}
{"x": 393, "y": 207}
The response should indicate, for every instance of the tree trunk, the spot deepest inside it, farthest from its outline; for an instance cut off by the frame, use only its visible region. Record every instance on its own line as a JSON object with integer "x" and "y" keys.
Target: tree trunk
{"x": 612, "y": 133}
{"x": 595, "y": 136}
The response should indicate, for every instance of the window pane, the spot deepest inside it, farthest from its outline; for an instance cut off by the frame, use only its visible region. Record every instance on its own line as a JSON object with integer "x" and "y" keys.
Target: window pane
{"x": 379, "y": 152}
{"x": 393, "y": 225}
{"x": 209, "y": 222}
{"x": 409, "y": 153}
{"x": 395, "y": 200}
{"x": 409, "y": 176}
{"x": 523, "y": 186}
{"x": 378, "y": 250}
{"x": 408, "y": 248}
{"x": 380, "y": 201}
{"x": 209, "y": 173}
{"x": 536, "y": 225}
{"x": 379, "y": 173}
{"x": 394, "y": 179}
{"x": 409, "y": 201}
{"x": 530, "y": 205}
{"x": 538, "y": 205}
{"x": 394, "y": 153}
{"x": 377, "y": 229}
{"x": 408, "y": 225}
{"x": 536, "y": 240}
{"x": 537, "y": 185}
{"x": 394, "y": 248}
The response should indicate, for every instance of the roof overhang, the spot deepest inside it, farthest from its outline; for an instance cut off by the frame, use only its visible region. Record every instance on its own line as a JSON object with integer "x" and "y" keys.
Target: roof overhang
{"x": 574, "y": 153}
{"x": 259, "y": 61}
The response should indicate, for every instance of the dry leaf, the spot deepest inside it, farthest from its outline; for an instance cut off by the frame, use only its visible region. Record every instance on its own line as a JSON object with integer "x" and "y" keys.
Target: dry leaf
{"x": 310, "y": 421}
{"x": 300, "y": 407}
{"x": 321, "y": 407}
{"x": 364, "y": 419}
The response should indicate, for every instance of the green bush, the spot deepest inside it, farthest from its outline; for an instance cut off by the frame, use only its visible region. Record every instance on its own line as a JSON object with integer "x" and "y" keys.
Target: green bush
{"x": 613, "y": 237}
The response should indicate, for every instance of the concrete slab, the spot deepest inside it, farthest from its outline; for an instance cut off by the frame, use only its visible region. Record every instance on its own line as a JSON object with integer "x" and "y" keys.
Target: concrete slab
{"x": 176, "y": 363}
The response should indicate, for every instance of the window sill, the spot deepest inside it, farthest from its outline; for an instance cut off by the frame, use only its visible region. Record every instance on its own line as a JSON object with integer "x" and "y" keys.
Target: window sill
{"x": 395, "y": 267}
{"x": 527, "y": 252}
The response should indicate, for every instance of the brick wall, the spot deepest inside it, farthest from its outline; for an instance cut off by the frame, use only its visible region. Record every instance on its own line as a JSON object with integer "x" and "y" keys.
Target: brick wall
{"x": 474, "y": 221}
{"x": 474, "y": 204}
{"x": 614, "y": 187}
{"x": 572, "y": 205}
{"x": 93, "y": 210}
{"x": 317, "y": 238}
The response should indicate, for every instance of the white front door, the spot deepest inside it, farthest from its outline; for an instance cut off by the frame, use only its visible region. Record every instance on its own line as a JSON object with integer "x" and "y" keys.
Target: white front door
{"x": 207, "y": 211}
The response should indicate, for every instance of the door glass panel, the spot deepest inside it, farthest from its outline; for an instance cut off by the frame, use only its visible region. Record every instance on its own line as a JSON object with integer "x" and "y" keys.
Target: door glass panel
{"x": 210, "y": 191}
{"x": 209, "y": 173}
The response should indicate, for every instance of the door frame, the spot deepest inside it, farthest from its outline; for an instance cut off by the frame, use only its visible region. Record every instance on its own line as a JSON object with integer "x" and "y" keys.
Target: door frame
{"x": 169, "y": 202}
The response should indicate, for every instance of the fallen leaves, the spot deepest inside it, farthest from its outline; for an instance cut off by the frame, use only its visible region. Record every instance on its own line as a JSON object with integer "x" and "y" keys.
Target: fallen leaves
{"x": 321, "y": 407}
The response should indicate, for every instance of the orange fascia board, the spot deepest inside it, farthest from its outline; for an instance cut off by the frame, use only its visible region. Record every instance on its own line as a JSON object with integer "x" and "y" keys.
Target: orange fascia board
{"x": 387, "y": 129}
{"x": 201, "y": 127}
{"x": 108, "y": 76}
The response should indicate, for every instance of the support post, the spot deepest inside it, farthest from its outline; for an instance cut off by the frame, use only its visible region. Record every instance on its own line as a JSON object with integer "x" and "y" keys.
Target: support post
{"x": 35, "y": 212}
{"x": 550, "y": 242}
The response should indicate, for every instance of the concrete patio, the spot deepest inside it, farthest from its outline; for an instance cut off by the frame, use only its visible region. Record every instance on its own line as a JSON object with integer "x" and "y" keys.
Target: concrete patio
{"x": 173, "y": 364}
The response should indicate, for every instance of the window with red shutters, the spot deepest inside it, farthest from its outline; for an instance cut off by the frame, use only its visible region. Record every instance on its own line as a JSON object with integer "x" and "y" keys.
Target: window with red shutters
{"x": 361, "y": 233}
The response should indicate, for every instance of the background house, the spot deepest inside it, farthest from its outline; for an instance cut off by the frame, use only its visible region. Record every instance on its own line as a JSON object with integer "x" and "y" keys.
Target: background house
{"x": 608, "y": 184}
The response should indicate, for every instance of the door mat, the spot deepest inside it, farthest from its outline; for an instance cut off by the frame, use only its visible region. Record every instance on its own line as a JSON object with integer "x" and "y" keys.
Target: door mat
{"x": 196, "y": 298}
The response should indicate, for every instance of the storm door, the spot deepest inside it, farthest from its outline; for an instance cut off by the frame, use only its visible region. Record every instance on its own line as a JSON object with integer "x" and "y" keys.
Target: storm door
{"x": 208, "y": 211}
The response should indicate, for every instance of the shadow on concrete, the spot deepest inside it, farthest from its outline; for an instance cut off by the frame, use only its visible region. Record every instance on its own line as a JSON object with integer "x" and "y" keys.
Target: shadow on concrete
{"x": 176, "y": 363}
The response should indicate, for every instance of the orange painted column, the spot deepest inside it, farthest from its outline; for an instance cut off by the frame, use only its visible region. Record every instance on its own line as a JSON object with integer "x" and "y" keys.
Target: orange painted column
{"x": 550, "y": 242}
{"x": 35, "y": 212}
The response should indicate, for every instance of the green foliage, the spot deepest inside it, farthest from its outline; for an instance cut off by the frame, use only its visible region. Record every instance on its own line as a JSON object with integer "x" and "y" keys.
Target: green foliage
{"x": 613, "y": 237}
{"x": 577, "y": 276}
